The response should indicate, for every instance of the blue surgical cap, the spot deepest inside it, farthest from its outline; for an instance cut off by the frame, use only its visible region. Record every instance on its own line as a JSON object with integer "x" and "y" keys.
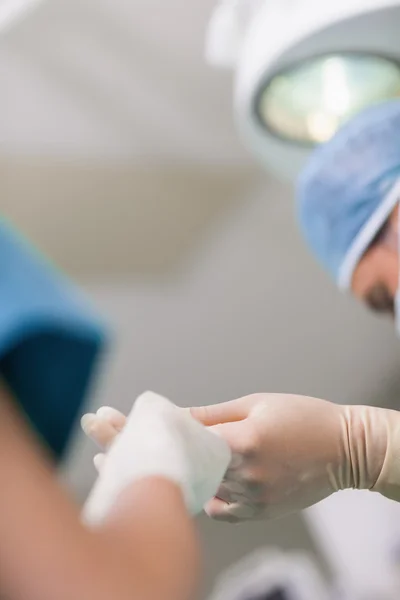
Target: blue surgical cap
{"x": 50, "y": 340}
{"x": 349, "y": 188}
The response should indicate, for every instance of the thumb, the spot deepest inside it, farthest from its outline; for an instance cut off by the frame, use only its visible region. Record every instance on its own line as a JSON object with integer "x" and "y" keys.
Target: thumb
{"x": 99, "y": 461}
{"x": 239, "y": 437}
{"x": 226, "y": 412}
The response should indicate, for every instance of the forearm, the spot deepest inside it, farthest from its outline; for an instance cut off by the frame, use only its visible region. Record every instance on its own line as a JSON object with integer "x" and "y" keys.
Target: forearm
{"x": 45, "y": 552}
{"x": 167, "y": 557}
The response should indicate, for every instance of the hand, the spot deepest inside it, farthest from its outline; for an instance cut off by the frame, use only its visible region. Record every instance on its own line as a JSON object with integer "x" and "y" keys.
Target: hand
{"x": 103, "y": 427}
{"x": 290, "y": 452}
{"x": 160, "y": 440}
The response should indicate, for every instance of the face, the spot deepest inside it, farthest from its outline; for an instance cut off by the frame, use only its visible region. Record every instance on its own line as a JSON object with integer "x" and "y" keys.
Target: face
{"x": 376, "y": 277}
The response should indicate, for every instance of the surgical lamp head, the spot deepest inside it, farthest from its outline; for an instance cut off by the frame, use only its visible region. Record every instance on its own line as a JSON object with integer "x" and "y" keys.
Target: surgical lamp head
{"x": 304, "y": 68}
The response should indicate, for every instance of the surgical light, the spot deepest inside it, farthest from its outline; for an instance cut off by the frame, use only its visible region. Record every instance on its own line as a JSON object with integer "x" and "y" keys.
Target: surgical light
{"x": 302, "y": 68}
{"x": 308, "y": 103}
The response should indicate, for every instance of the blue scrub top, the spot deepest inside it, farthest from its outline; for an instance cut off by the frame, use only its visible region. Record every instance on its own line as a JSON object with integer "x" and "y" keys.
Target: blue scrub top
{"x": 50, "y": 340}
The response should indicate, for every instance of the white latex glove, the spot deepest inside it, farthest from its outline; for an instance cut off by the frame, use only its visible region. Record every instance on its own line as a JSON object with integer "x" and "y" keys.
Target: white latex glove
{"x": 159, "y": 439}
{"x": 290, "y": 452}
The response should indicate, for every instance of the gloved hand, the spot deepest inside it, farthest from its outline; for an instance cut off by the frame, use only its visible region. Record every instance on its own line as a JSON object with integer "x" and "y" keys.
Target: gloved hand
{"x": 290, "y": 452}
{"x": 159, "y": 439}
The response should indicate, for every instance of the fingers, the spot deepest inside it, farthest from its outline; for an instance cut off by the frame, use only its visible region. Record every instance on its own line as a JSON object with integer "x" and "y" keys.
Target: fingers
{"x": 100, "y": 430}
{"x": 242, "y": 438}
{"x": 219, "y": 510}
{"x": 98, "y": 462}
{"x": 235, "y": 410}
{"x": 113, "y": 416}
{"x": 87, "y": 423}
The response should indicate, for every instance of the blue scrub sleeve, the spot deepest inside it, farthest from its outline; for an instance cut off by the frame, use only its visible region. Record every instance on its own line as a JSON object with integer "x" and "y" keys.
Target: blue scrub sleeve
{"x": 50, "y": 340}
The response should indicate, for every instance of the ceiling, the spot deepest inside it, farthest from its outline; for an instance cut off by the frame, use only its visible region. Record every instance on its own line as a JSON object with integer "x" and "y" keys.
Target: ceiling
{"x": 115, "y": 80}
{"x": 119, "y": 221}
{"x": 115, "y": 134}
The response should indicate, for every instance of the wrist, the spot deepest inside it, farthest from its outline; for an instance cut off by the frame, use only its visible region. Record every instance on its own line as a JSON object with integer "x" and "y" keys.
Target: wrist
{"x": 148, "y": 492}
{"x": 388, "y": 481}
{"x": 365, "y": 443}
{"x": 111, "y": 494}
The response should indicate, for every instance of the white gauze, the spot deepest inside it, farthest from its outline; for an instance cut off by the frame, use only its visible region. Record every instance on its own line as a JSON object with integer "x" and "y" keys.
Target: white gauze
{"x": 160, "y": 439}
